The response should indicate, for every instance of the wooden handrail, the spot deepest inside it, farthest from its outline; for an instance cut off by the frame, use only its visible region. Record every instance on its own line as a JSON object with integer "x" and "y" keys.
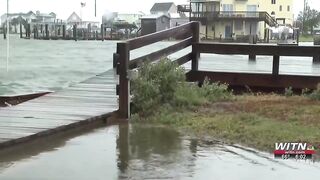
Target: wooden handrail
{"x": 257, "y": 49}
{"x": 183, "y": 31}
{"x": 161, "y": 53}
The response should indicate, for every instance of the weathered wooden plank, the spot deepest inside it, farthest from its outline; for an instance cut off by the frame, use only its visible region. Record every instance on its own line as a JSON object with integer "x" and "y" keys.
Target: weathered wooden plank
{"x": 184, "y": 59}
{"x": 182, "y": 31}
{"x": 80, "y": 111}
{"x": 161, "y": 53}
{"x": 257, "y": 49}
{"x": 257, "y": 80}
{"x": 42, "y": 115}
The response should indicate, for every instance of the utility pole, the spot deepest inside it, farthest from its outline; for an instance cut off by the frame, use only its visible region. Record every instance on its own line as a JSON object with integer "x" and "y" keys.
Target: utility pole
{"x": 304, "y": 15}
{"x": 8, "y": 37}
{"x": 95, "y": 8}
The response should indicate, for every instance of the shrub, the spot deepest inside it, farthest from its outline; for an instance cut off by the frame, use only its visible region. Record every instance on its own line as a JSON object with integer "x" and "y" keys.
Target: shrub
{"x": 315, "y": 95}
{"x": 288, "y": 92}
{"x": 163, "y": 84}
{"x": 156, "y": 84}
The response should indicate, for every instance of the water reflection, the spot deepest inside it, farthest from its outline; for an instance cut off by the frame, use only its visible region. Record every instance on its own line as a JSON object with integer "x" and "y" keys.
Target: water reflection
{"x": 144, "y": 152}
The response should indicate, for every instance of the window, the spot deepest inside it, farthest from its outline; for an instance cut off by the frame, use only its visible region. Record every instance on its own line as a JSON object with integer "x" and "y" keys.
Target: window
{"x": 273, "y": 1}
{"x": 280, "y": 8}
{"x": 238, "y": 25}
{"x": 288, "y": 8}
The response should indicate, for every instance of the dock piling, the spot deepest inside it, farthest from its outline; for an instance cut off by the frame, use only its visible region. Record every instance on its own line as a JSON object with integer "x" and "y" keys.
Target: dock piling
{"x": 20, "y": 30}
{"x": 102, "y": 32}
{"x": 75, "y": 32}
{"x": 4, "y": 32}
{"x": 46, "y": 27}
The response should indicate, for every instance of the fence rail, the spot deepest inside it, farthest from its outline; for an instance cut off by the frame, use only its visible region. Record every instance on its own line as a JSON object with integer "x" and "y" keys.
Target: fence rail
{"x": 190, "y": 37}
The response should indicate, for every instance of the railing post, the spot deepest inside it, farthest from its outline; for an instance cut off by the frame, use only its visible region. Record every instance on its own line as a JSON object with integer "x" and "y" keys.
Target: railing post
{"x": 20, "y": 30}
{"x": 196, "y": 39}
{"x": 275, "y": 66}
{"x": 124, "y": 55}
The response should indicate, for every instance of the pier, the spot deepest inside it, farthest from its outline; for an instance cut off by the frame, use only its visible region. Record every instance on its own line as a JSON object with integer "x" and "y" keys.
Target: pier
{"x": 91, "y": 100}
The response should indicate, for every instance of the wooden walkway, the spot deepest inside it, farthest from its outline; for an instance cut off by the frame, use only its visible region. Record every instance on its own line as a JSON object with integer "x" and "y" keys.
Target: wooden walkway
{"x": 90, "y": 100}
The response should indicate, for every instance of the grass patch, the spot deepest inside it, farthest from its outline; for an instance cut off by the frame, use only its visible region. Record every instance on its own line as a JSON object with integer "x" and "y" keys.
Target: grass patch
{"x": 162, "y": 96}
{"x": 306, "y": 38}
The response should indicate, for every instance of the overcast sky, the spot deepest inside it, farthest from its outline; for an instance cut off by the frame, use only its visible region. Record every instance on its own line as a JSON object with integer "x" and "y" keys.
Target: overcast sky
{"x": 63, "y": 8}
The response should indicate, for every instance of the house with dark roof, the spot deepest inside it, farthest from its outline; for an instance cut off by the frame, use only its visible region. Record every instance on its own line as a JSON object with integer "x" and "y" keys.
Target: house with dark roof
{"x": 164, "y": 8}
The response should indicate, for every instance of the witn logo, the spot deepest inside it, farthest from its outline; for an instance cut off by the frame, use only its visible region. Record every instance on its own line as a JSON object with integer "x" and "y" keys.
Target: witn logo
{"x": 291, "y": 146}
{"x": 293, "y": 149}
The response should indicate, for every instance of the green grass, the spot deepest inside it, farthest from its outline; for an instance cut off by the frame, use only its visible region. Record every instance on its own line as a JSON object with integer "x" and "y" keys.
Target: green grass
{"x": 306, "y": 38}
{"x": 253, "y": 121}
{"x": 162, "y": 97}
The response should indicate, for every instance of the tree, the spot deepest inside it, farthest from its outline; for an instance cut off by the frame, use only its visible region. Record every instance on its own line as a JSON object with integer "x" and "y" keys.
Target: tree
{"x": 310, "y": 19}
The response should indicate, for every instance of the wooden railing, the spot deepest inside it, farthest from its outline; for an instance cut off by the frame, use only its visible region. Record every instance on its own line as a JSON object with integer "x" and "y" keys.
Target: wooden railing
{"x": 190, "y": 35}
{"x": 188, "y": 32}
{"x": 213, "y": 15}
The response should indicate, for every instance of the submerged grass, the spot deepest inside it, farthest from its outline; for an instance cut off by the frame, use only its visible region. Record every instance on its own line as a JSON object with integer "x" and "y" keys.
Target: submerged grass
{"x": 253, "y": 120}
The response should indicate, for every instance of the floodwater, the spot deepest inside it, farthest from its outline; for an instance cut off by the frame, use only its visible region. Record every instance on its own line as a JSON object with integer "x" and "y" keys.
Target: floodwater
{"x": 144, "y": 152}
{"x": 37, "y": 65}
{"x": 130, "y": 152}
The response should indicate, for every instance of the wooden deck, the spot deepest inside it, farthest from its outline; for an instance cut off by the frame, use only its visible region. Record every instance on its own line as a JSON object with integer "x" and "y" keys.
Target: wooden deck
{"x": 90, "y": 100}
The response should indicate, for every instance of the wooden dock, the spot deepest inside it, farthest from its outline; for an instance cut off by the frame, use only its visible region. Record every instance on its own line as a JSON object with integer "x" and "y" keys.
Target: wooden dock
{"x": 91, "y": 100}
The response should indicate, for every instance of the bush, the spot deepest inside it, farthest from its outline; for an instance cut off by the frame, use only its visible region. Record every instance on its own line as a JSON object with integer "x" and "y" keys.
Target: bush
{"x": 288, "y": 92}
{"x": 163, "y": 84}
{"x": 315, "y": 95}
{"x": 156, "y": 84}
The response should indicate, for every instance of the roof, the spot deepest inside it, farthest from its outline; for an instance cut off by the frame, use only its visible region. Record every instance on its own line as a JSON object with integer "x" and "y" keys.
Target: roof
{"x": 154, "y": 16}
{"x": 161, "y": 7}
{"x": 74, "y": 18}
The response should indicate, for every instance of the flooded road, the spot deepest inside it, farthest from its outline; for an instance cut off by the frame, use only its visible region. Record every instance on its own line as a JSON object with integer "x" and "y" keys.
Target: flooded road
{"x": 138, "y": 152}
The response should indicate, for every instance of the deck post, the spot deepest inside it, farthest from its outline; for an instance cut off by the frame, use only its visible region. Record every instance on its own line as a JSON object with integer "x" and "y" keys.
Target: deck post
{"x": 316, "y": 59}
{"x": 75, "y": 32}
{"x": 195, "y": 40}
{"x": 102, "y": 32}
{"x": 275, "y": 67}
{"x": 4, "y": 32}
{"x": 34, "y": 32}
{"x": 46, "y": 27}
{"x": 28, "y": 31}
{"x": 252, "y": 40}
{"x": 20, "y": 30}
{"x": 123, "y": 51}
{"x": 64, "y": 31}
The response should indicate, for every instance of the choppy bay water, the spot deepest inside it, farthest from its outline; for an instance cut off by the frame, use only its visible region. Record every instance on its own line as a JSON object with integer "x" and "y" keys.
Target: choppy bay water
{"x": 142, "y": 152}
{"x": 130, "y": 152}
{"x": 37, "y": 65}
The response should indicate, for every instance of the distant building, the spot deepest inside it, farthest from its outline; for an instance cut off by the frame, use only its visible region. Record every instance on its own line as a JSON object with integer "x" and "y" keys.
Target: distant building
{"x": 45, "y": 18}
{"x": 232, "y": 19}
{"x": 164, "y": 8}
{"x": 177, "y": 19}
{"x": 154, "y": 23}
{"x": 74, "y": 19}
{"x": 131, "y": 18}
{"x": 28, "y": 17}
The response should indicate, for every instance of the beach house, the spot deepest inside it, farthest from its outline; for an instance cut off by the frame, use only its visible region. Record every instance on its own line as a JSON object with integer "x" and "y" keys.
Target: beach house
{"x": 237, "y": 18}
